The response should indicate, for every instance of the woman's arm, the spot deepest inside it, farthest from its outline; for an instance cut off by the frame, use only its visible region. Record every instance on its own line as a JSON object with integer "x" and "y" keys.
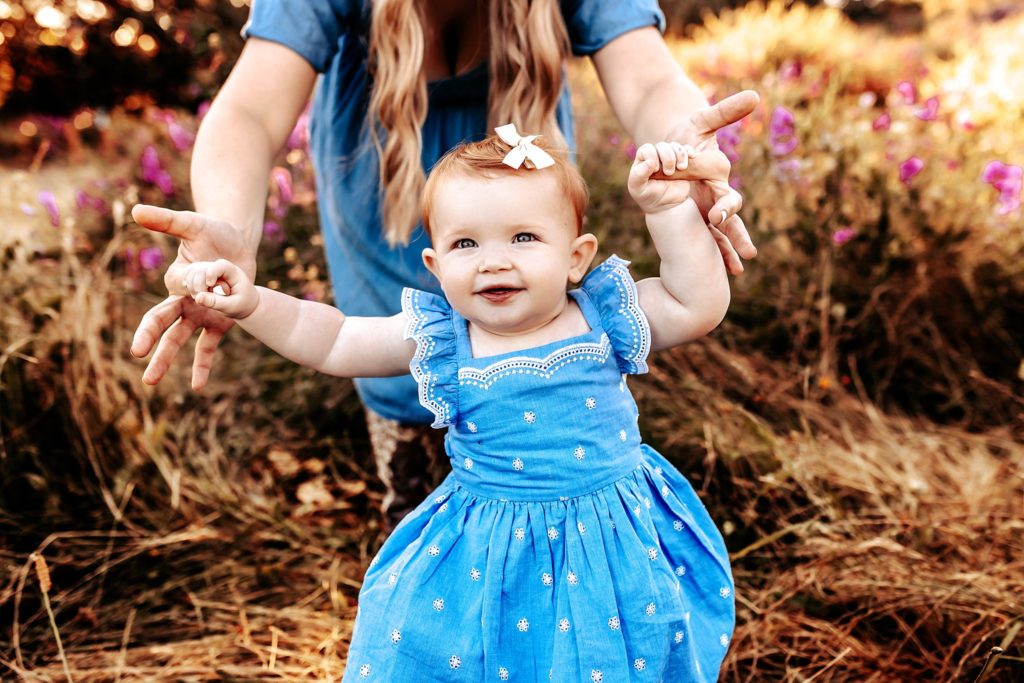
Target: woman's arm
{"x": 247, "y": 124}
{"x": 654, "y": 100}
{"x": 691, "y": 296}
{"x": 307, "y": 332}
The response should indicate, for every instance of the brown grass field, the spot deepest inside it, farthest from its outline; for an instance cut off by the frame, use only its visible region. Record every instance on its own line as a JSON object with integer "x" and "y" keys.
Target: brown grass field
{"x": 855, "y": 426}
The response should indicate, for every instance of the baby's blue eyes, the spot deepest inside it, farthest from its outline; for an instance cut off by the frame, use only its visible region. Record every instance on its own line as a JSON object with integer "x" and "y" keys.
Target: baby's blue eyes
{"x": 466, "y": 243}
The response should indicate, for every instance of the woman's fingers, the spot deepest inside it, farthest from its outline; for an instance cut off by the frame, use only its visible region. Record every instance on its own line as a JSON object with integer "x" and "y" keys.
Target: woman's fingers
{"x": 733, "y": 263}
{"x": 733, "y": 108}
{"x": 170, "y": 343}
{"x": 728, "y": 202}
{"x": 184, "y": 225}
{"x": 154, "y": 323}
{"x": 209, "y": 339}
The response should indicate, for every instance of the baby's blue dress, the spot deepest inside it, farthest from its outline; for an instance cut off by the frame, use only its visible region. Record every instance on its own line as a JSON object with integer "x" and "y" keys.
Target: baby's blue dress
{"x": 560, "y": 548}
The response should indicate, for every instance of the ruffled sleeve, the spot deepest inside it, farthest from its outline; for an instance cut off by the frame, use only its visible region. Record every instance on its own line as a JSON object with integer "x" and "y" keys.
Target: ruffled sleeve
{"x": 612, "y": 290}
{"x": 435, "y": 365}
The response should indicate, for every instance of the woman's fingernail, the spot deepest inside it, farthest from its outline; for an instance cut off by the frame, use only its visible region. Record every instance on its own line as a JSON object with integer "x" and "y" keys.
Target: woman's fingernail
{"x": 724, "y": 215}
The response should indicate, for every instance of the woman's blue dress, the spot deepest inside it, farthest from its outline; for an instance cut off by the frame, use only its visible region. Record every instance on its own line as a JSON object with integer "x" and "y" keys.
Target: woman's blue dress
{"x": 560, "y": 548}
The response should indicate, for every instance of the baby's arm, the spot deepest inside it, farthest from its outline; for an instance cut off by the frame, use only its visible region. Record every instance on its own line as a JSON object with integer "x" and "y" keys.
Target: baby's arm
{"x": 692, "y": 294}
{"x": 309, "y": 333}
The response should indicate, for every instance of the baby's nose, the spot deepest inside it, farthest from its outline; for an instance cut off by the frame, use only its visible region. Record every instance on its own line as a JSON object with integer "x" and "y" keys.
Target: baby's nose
{"x": 494, "y": 260}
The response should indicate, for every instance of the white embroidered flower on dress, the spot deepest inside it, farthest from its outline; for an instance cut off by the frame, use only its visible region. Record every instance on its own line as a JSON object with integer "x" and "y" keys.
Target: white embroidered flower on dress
{"x": 364, "y": 670}
{"x": 658, "y": 470}
{"x": 680, "y": 570}
{"x": 651, "y": 609}
{"x": 455, "y": 662}
{"x": 392, "y": 578}
{"x": 468, "y": 463}
{"x": 596, "y": 676}
{"x": 474, "y": 574}
{"x": 502, "y": 673}
{"x": 636, "y": 511}
{"x": 517, "y": 465}
{"x": 622, "y": 435}
{"x": 664, "y": 490}
{"x": 520, "y": 533}
{"x": 439, "y": 499}
{"x": 591, "y": 402}
{"x": 652, "y": 553}
{"x": 647, "y": 503}
{"x": 724, "y": 640}
{"x": 677, "y": 525}
{"x": 614, "y": 623}
{"x": 581, "y": 527}
{"x": 433, "y": 551}
{"x": 546, "y": 579}
{"x": 552, "y": 533}
{"x": 523, "y": 625}
{"x": 530, "y": 417}
{"x": 679, "y": 637}
{"x": 444, "y": 506}
{"x": 639, "y": 663}
{"x": 438, "y": 604}
{"x": 563, "y": 625}
{"x": 572, "y": 579}
{"x": 471, "y": 426}
{"x": 724, "y": 592}
{"x": 579, "y": 452}
{"x": 396, "y": 636}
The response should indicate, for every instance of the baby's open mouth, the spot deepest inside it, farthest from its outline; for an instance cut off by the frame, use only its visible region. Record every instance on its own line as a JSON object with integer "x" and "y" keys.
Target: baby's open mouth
{"x": 499, "y": 294}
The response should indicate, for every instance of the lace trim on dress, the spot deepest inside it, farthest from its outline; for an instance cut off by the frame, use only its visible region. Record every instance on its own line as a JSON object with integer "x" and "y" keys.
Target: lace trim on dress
{"x": 420, "y": 365}
{"x": 629, "y": 307}
{"x": 542, "y": 367}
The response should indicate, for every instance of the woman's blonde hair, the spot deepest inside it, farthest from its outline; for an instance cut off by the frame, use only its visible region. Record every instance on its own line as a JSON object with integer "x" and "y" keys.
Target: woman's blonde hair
{"x": 528, "y": 48}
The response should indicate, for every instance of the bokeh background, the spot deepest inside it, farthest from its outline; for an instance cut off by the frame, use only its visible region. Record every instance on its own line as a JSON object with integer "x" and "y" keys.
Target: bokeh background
{"x": 854, "y": 426}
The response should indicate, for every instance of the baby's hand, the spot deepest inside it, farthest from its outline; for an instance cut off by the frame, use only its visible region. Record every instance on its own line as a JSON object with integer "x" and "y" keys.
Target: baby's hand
{"x": 222, "y": 286}
{"x": 656, "y": 195}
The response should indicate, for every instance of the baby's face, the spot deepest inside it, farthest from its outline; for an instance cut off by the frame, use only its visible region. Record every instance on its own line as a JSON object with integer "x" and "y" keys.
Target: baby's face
{"x": 505, "y": 248}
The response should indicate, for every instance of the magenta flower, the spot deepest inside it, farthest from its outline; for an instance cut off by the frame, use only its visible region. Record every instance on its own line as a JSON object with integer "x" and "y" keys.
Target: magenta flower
{"x": 299, "y": 137}
{"x": 728, "y": 139}
{"x": 153, "y": 172}
{"x": 181, "y": 138}
{"x": 272, "y": 231}
{"x": 283, "y": 181}
{"x": 882, "y": 122}
{"x": 49, "y": 202}
{"x": 791, "y": 70}
{"x": 907, "y": 91}
{"x": 203, "y": 108}
{"x": 788, "y": 169}
{"x": 150, "y": 258}
{"x": 27, "y": 209}
{"x": 910, "y": 168}
{"x": 613, "y": 140}
{"x": 84, "y": 200}
{"x": 843, "y": 235}
{"x": 631, "y": 150}
{"x": 1007, "y": 180}
{"x": 782, "y": 131}
{"x": 930, "y": 110}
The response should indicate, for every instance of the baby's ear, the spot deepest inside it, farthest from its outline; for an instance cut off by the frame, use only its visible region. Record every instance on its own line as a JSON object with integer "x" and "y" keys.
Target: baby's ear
{"x": 584, "y": 248}
{"x": 430, "y": 261}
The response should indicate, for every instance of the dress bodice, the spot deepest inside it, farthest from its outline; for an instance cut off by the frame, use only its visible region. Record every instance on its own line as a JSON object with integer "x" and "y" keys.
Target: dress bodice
{"x": 549, "y": 422}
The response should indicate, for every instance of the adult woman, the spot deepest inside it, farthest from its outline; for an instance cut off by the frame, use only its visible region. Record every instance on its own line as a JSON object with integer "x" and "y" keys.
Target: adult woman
{"x": 428, "y": 74}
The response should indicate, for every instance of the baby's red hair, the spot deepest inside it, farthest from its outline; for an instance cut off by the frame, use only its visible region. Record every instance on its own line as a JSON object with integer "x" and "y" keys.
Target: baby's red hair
{"x": 485, "y": 158}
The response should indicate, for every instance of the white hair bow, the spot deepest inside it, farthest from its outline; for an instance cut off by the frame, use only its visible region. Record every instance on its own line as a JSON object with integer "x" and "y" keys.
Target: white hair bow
{"x": 523, "y": 149}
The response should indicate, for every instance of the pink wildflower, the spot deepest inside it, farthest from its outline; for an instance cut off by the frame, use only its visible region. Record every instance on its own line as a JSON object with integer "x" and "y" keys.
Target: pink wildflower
{"x": 613, "y": 140}
{"x": 930, "y": 110}
{"x": 203, "y": 108}
{"x": 1007, "y": 180}
{"x": 791, "y": 70}
{"x": 907, "y": 91}
{"x": 882, "y": 122}
{"x": 49, "y": 202}
{"x": 299, "y": 137}
{"x": 272, "y": 231}
{"x": 150, "y": 258}
{"x": 283, "y": 181}
{"x": 782, "y": 131}
{"x": 631, "y": 150}
{"x": 728, "y": 139}
{"x": 153, "y": 172}
{"x": 910, "y": 168}
{"x": 181, "y": 138}
{"x": 843, "y": 235}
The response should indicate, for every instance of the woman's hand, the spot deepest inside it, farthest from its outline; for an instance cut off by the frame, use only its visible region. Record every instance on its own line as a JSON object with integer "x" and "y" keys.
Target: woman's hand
{"x": 714, "y": 196}
{"x": 176, "y": 318}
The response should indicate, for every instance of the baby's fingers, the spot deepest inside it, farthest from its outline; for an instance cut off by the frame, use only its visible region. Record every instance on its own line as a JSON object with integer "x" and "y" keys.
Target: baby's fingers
{"x": 645, "y": 164}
